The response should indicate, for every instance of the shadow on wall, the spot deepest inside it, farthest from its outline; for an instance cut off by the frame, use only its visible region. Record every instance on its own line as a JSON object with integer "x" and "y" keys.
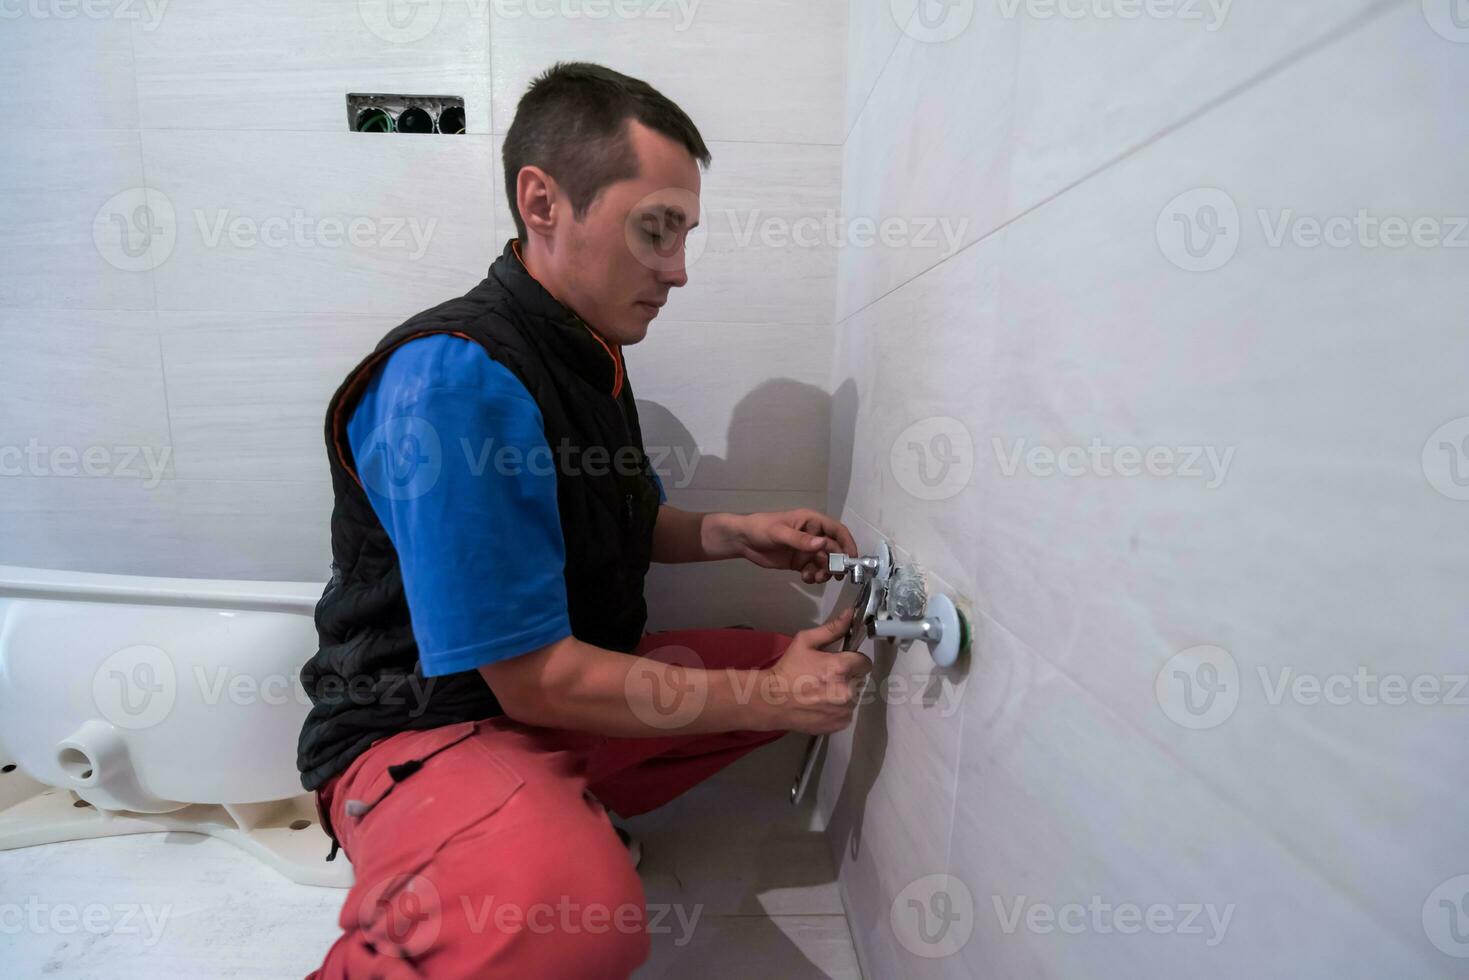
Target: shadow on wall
{"x": 771, "y": 464}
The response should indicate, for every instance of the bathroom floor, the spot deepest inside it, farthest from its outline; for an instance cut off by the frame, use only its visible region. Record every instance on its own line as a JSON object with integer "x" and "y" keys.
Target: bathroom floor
{"x": 744, "y": 885}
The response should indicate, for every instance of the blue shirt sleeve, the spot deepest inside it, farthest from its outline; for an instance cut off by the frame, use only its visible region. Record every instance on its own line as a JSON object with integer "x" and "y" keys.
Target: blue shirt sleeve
{"x": 662, "y": 496}
{"x": 452, "y": 452}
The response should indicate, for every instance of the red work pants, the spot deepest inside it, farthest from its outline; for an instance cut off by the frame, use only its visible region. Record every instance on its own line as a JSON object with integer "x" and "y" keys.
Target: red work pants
{"x": 493, "y": 856}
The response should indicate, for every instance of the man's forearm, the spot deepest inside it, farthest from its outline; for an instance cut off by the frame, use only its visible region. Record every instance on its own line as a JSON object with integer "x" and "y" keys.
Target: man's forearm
{"x": 581, "y": 687}
{"x": 682, "y": 536}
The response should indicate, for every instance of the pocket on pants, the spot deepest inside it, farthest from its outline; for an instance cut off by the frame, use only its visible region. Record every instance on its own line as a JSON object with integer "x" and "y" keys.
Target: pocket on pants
{"x": 424, "y": 789}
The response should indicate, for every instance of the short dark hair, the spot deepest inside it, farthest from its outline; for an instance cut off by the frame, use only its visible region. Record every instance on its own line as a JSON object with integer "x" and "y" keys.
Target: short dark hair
{"x": 572, "y": 123}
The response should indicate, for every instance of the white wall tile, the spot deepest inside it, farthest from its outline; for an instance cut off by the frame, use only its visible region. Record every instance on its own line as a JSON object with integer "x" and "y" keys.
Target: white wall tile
{"x": 81, "y": 381}
{"x": 1325, "y": 548}
{"x": 750, "y": 70}
{"x": 69, "y": 66}
{"x": 925, "y": 165}
{"x": 422, "y": 209}
{"x": 1059, "y": 802}
{"x": 78, "y": 234}
{"x": 278, "y": 65}
{"x": 1091, "y": 88}
{"x": 735, "y": 405}
{"x": 255, "y": 530}
{"x": 247, "y": 392}
{"x": 873, "y": 30}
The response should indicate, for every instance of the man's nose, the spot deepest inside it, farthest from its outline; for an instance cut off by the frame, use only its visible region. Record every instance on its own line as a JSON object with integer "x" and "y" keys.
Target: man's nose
{"x": 674, "y": 273}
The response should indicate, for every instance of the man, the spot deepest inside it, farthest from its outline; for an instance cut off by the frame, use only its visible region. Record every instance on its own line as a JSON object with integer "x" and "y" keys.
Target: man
{"x": 484, "y": 688}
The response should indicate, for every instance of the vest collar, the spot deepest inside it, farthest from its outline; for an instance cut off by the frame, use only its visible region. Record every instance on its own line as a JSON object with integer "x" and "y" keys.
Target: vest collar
{"x": 585, "y": 350}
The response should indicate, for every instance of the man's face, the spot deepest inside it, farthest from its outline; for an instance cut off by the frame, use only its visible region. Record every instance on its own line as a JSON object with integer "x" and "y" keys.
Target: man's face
{"x": 623, "y": 258}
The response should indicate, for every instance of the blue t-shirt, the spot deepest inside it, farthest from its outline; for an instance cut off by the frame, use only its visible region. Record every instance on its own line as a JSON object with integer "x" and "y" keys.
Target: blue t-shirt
{"x": 452, "y": 452}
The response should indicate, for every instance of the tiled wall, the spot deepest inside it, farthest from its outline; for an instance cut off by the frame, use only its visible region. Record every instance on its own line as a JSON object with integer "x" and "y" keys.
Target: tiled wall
{"x": 1069, "y": 765}
{"x": 210, "y": 346}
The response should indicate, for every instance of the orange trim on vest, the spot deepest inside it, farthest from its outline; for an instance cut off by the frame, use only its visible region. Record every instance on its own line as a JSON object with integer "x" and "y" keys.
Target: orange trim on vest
{"x": 614, "y": 351}
{"x": 358, "y": 381}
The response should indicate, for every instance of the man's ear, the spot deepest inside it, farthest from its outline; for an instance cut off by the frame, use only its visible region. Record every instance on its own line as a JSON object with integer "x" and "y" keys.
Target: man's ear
{"x": 538, "y": 197}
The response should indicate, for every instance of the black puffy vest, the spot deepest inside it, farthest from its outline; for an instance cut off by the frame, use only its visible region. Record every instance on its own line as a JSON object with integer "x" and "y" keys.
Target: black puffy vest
{"x": 365, "y": 681}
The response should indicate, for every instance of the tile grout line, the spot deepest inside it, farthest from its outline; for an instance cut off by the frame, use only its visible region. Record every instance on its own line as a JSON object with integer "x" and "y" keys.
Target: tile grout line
{"x": 1288, "y": 61}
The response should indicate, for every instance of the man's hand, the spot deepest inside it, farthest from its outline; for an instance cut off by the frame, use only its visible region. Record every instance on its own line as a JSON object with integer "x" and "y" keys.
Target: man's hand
{"x": 794, "y": 540}
{"x": 810, "y": 689}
